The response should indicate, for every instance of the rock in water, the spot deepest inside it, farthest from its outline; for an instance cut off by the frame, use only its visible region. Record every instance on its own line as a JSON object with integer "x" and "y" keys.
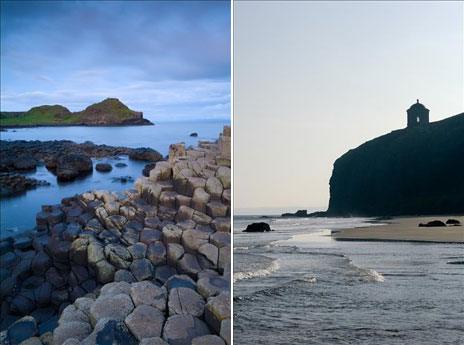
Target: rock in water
{"x": 454, "y": 222}
{"x": 145, "y": 154}
{"x": 72, "y": 165}
{"x": 194, "y": 134}
{"x": 433, "y": 223}
{"x": 103, "y": 167}
{"x": 258, "y": 227}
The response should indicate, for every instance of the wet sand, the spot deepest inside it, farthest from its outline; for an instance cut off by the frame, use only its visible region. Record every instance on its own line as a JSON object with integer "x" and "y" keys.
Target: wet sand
{"x": 406, "y": 229}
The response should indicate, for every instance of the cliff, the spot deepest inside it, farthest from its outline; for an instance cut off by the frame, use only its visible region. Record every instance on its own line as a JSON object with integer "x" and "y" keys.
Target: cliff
{"x": 412, "y": 171}
{"x": 110, "y": 112}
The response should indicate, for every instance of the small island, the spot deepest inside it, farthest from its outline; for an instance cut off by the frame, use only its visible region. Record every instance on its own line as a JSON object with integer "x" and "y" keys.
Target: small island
{"x": 109, "y": 112}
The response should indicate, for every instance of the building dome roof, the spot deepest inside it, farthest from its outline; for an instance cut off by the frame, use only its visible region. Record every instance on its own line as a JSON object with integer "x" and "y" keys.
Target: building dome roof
{"x": 417, "y": 106}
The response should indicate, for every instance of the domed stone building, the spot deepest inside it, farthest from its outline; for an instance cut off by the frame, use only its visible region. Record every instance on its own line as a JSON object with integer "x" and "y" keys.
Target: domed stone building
{"x": 418, "y": 115}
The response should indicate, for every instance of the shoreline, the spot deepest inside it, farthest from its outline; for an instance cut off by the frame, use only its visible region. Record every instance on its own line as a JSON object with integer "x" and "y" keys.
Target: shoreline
{"x": 75, "y": 125}
{"x": 405, "y": 229}
{"x": 104, "y": 257}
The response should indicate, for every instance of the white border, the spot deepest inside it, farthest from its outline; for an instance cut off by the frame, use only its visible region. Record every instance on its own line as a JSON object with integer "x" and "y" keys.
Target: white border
{"x": 232, "y": 171}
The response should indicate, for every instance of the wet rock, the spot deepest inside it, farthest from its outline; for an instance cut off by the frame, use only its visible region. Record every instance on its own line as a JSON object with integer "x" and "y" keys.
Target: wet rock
{"x": 112, "y": 332}
{"x": 147, "y": 293}
{"x": 185, "y": 301}
{"x": 95, "y": 253}
{"x": 103, "y": 167}
{"x": 112, "y": 208}
{"x": 22, "y": 329}
{"x": 189, "y": 265}
{"x": 78, "y": 251}
{"x": 209, "y": 252}
{"x": 142, "y": 269}
{"x": 43, "y": 293}
{"x": 224, "y": 259}
{"x": 220, "y": 239}
{"x": 59, "y": 249}
{"x": 55, "y": 278}
{"x": 258, "y": 227}
{"x": 32, "y": 341}
{"x": 115, "y": 307}
{"x": 172, "y": 234}
{"x": 156, "y": 253}
{"x": 115, "y": 221}
{"x": 226, "y": 331}
{"x": 145, "y": 154}
{"x": 224, "y": 175}
{"x": 124, "y": 275}
{"x": 153, "y": 341}
{"x": 105, "y": 271}
{"x": 145, "y": 322}
{"x": 193, "y": 239}
{"x": 41, "y": 263}
{"x": 118, "y": 255}
{"x": 214, "y": 188}
{"x": 138, "y": 250}
{"x": 71, "y": 166}
{"x": 217, "y": 309}
{"x": 162, "y": 171}
{"x": 71, "y": 330}
{"x": 221, "y": 224}
{"x": 22, "y": 305}
{"x": 128, "y": 211}
{"x": 71, "y": 313}
{"x": 164, "y": 272}
{"x": 182, "y": 329}
{"x": 201, "y": 218}
{"x": 212, "y": 286}
{"x": 72, "y": 232}
{"x": 120, "y": 165}
{"x": 175, "y": 251}
{"x": 208, "y": 340}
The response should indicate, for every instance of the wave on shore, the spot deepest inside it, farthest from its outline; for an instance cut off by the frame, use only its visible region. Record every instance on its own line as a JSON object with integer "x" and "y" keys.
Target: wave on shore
{"x": 257, "y": 266}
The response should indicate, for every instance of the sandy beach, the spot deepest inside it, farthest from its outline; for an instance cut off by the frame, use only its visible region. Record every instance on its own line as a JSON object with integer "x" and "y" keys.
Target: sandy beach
{"x": 406, "y": 229}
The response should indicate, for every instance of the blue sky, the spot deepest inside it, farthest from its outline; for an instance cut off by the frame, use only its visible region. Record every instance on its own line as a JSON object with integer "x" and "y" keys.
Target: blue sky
{"x": 170, "y": 60}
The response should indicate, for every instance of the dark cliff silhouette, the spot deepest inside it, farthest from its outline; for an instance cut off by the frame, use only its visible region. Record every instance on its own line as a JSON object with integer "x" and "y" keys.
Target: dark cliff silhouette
{"x": 418, "y": 170}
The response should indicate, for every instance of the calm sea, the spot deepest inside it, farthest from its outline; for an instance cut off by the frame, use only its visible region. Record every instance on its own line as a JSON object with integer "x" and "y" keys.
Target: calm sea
{"x": 17, "y": 214}
{"x": 298, "y": 286}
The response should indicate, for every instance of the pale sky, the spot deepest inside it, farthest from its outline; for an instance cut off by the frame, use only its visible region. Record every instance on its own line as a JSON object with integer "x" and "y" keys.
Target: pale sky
{"x": 169, "y": 59}
{"x": 315, "y": 79}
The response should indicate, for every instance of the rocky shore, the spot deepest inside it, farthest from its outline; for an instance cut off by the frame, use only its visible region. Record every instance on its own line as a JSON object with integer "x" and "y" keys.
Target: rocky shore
{"x": 147, "y": 266}
{"x": 66, "y": 159}
{"x": 14, "y": 184}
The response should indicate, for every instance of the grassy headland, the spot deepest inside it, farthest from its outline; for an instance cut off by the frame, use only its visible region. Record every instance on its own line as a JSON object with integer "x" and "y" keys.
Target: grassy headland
{"x": 110, "y": 112}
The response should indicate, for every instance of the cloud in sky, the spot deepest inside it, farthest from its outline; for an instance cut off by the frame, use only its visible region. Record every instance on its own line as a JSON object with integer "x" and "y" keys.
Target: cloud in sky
{"x": 168, "y": 59}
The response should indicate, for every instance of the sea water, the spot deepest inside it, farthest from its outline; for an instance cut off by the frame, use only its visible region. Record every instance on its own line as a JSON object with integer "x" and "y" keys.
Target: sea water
{"x": 296, "y": 285}
{"x": 17, "y": 214}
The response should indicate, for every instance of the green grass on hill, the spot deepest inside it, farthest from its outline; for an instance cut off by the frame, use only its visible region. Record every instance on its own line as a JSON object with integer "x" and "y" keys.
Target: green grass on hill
{"x": 44, "y": 115}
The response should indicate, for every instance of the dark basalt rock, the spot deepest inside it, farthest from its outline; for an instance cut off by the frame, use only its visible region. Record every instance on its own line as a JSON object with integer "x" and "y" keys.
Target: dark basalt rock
{"x": 120, "y": 165}
{"x": 148, "y": 167}
{"x": 258, "y": 227}
{"x": 14, "y": 184}
{"x": 73, "y": 165}
{"x": 115, "y": 333}
{"x": 123, "y": 179}
{"x": 299, "y": 213}
{"x": 145, "y": 154}
{"x": 194, "y": 134}
{"x": 454, "y": 222}
{"x": 103, "y": 167}
{"x": 406, "y": 172}
{"x": 433, "y": 223}
{"x": 21, "y": 330}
